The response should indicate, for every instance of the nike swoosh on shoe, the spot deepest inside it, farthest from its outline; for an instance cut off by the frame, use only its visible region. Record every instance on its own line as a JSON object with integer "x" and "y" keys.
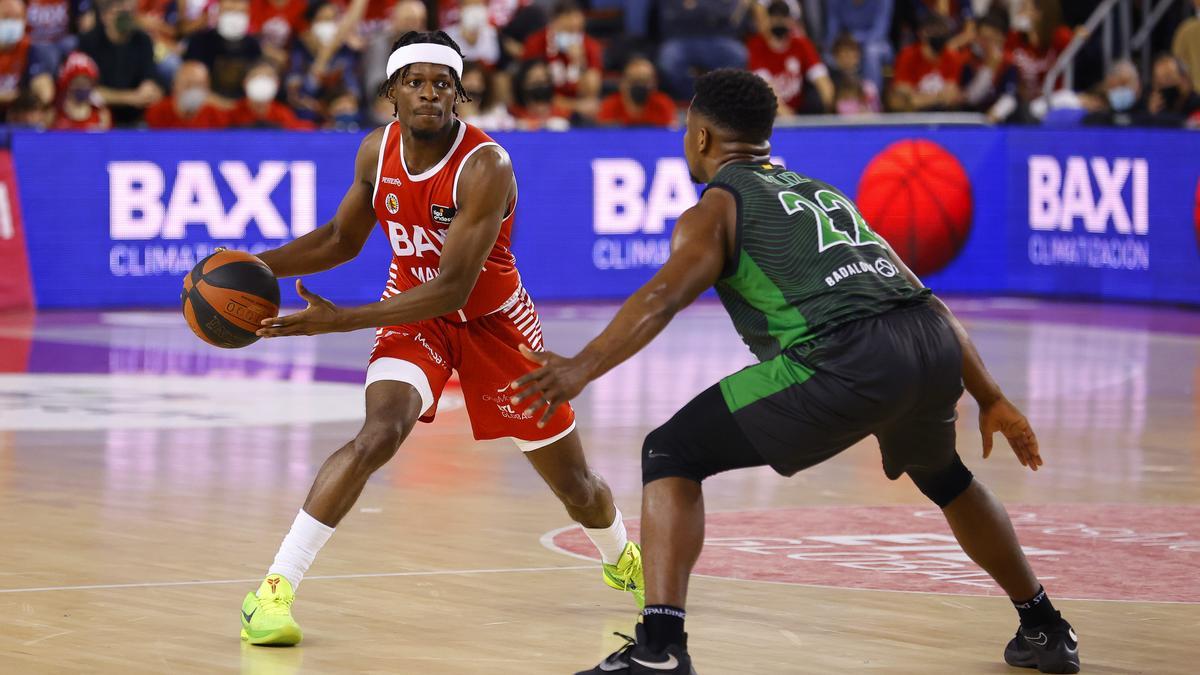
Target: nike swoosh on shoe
{"x": 670, "y": 664}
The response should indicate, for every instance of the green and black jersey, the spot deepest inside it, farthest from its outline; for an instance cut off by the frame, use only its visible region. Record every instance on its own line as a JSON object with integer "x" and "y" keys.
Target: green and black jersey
{"x": 805, "y": 261}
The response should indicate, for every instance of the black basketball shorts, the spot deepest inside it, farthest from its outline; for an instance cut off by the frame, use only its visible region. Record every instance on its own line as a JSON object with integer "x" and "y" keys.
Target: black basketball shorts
{"x": 896, "y": 376}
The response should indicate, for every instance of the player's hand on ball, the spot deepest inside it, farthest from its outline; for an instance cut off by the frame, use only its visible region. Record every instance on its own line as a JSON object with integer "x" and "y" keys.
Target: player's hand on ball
{"x": 558, "y": 380}
{"x": 1001, "y": 415}
{"x": 321, "y": 316}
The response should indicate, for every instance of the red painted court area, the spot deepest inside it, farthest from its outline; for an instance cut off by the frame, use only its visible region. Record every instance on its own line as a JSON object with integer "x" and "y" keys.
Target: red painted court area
{"x": 1081, "y": 551}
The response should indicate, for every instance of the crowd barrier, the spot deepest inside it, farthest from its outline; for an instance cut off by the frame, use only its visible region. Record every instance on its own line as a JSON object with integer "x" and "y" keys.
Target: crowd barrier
{"x": 116, "y": 219}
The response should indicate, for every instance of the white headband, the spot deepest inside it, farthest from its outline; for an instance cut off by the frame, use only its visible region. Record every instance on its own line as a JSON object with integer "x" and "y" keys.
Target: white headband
{"x": 424, "y": 52}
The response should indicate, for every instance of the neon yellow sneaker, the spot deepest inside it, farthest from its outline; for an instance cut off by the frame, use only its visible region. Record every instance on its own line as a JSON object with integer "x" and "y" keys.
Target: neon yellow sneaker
{"x": 267, "y": 615}
{"x": 627, "y": 575}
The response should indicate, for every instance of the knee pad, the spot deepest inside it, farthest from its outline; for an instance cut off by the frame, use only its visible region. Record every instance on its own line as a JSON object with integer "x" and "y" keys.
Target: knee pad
{"x": 665, "y": 456}
{"x": 944, "y": 485}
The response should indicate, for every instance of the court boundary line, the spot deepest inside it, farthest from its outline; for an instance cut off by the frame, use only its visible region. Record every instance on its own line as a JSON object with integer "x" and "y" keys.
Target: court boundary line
{"x": 547, "y": 541}
{"x": 368, "y": 575}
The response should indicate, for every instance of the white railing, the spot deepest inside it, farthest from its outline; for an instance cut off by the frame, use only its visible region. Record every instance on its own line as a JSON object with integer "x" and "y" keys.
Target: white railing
{"x": 1109, "y": 16}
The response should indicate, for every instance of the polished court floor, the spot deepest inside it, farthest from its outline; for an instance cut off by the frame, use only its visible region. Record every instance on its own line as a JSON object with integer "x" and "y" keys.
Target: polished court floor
{"x": 146, "y": 480}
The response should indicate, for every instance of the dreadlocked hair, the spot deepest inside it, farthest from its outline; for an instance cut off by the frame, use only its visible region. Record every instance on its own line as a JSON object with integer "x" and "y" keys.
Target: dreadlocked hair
{"x": 412, "y": 37}
{"x": 738, "y": 101}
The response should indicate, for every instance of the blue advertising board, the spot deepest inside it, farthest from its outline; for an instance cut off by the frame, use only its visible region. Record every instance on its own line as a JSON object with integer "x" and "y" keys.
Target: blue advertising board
{"x": 1105, "y": 213}
{"x": 116, "y": 219}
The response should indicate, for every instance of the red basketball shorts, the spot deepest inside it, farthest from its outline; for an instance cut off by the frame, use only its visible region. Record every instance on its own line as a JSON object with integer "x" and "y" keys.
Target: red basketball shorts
{"x": 486, "y": 353}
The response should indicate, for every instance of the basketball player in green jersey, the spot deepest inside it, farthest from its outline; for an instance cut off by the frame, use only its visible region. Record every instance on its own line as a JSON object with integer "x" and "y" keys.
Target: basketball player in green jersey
{"x": 850, "y": 344}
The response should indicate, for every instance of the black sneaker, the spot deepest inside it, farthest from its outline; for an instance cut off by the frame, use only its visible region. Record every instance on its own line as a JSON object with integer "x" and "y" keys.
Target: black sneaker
{"x": 1051, "y": 648}
{"x": 635, "y": 659}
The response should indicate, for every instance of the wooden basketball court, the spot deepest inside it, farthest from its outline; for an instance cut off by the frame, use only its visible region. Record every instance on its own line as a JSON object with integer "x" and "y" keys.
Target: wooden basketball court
{"x": 146, "y": 481}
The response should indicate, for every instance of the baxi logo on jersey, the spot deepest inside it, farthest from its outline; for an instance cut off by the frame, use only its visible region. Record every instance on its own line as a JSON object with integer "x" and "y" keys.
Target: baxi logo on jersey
{"x": 1089, "y": 212}
{"x": 416, "y": 245}
{"x": 163, "y": 228}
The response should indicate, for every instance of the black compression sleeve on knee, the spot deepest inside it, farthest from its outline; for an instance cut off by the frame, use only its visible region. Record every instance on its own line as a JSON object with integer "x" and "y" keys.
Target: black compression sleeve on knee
{"x": 700, "y": 440}
{"x": 944, "y": 486}
{"x": 664, "y": 457}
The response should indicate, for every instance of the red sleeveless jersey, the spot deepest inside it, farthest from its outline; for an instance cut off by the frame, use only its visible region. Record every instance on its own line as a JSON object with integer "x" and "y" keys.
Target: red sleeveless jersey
{"x": 416, "y": 211}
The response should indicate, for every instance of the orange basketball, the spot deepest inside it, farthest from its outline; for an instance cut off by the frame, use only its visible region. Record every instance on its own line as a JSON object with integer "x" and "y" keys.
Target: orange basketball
{"x": 918, "y": 196}
{"x": 225, "y": 297}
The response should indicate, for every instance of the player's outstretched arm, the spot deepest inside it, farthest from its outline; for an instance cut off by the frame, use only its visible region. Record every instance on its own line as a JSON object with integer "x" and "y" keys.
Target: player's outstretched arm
{"x": 340, "y": 239}
{"x": 996, "y": 412}
{"x": 699, "y": 248}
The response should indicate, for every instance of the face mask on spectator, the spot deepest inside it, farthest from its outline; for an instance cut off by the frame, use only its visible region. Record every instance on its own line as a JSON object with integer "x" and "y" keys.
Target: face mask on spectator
{"x": 191, "y": 99}
{"x": 11, "y": 31}
{"x": 566, "y": 41}
{"x": 125, "y": 22}
{"x": 640, "y": 93}
{"x": 540, "y": 93}
{"x": 1022, "y": 23}
{"x": 325, "y": 31}
{"x": 475, "y": 95}
{"x": 474, "y": 17}
{"x": 233, "y": 25}
{"x": 1121, "y": 98}
{"x": 80, "y": 94}
{"x": 1170, "y": 95}
{"x": 346, "y": 121}
{"x": 781, "y": 30}
{"x": 938, "y": 42}
{"x": 262, "y": 88}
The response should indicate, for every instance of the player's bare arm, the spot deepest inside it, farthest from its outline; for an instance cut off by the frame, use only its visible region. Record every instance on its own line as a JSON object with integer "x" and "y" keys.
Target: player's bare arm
{"x": 996, "y": 412}
{"x": 486, "y": 187}
{"x": 700, "y": 245}
{"x": 339, "y": 240}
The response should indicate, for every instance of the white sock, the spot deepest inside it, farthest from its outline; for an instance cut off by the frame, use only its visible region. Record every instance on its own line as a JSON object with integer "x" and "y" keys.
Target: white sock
{"x": 609, "y": 540}
{"x": 299, "y": 548}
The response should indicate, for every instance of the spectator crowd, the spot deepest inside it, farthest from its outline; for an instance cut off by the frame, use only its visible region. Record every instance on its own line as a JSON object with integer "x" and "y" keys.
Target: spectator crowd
{"x": 553, "y": 64}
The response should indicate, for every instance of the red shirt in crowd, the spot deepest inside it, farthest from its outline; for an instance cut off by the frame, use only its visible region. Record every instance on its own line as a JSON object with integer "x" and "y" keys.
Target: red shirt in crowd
{"x": 98, "y": 120}
{"x": 659, "y": 111}
{"x": 528, "y": 119}
{"x": 163, "y": 115}
{"x": 278, "y": 24}
{"x": 155, "y": 8}
{"x": 566, "y": 75}
{"x": 1034, "y": 62}
{"x": 14, "y": 61}
{"x": 278, "y": 116}
{"x": 378, "y": 10}
{"x": 924, "y": 75}
{"x": 786, "y": 70}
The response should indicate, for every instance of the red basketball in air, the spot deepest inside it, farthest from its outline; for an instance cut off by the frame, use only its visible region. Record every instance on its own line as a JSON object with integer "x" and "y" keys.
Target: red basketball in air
{"x": 917, "y": 195}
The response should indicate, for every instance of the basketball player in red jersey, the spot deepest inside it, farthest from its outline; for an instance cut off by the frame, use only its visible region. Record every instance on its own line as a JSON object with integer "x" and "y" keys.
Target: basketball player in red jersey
{"x": 444, "y": 193}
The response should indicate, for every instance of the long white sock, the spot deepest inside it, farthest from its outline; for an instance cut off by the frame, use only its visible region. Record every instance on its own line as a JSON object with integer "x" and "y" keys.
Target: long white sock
{"x": 610, "y": 540}
{"x": 299, "y": 548}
